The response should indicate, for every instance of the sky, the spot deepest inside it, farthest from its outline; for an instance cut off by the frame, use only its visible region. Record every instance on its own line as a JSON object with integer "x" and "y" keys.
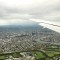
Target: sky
{"x": 30, "y": 12}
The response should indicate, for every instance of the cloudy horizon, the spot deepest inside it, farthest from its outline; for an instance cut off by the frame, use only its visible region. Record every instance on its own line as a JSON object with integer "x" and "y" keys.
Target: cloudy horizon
{"x": 25, "y": 11}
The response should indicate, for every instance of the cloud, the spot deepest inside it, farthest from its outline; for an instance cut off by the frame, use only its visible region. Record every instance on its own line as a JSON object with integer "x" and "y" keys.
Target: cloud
{"x": 47, "y": 10}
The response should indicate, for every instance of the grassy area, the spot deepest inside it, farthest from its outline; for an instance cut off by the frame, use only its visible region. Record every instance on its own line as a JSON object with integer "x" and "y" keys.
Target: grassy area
{"x": 39, "y": 55}
{"x": 2, "y": 57}
{"x": 52, "y": 53}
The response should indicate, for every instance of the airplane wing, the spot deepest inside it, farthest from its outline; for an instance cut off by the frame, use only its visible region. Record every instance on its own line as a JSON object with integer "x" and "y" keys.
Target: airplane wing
{"x": 49, "y": 24}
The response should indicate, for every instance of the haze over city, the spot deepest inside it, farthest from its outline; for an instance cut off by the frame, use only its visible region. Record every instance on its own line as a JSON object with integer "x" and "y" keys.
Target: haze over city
{"x": 19, "y": 12}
